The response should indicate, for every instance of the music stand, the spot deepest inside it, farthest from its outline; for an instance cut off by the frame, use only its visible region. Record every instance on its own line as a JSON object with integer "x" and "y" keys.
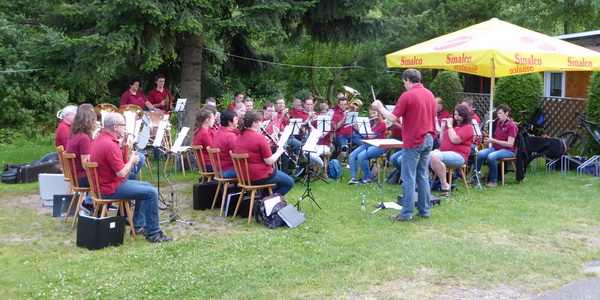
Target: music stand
{"x": 364, "y": 127}
{"x": 177, "y": 148}
{"x": 180, "y": 110}
{"x": 478, "y": 135}
{"x": 383, "y": 144}
{"x": 324, "y": 123}
{"x": 311, "y": 147}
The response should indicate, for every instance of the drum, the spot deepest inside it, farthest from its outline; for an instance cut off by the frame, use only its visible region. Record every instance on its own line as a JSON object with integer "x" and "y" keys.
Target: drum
{"x": 152, "y": 119}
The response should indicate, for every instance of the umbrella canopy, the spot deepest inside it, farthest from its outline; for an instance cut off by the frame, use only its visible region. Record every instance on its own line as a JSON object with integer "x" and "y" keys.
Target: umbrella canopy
{"x": 496, "y": 48}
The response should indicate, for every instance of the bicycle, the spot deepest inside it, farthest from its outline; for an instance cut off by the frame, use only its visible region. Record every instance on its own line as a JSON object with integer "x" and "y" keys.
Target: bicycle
{"x": 529, "y": 128}
{"x": 576, "y": 142}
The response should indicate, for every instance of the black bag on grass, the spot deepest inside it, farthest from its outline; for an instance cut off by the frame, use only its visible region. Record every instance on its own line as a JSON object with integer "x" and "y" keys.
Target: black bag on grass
{"x": 272, "y": 220}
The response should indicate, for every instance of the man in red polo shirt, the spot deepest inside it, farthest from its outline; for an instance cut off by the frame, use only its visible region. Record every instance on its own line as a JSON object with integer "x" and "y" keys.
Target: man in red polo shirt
{"x": 160, "y": 97}
{"x": 134, "y": 96}
{"x": 112, "y": 173}
{"x": 282, "y": 112}
{"x": 64, "y": 126}
{"x": 416, "y": 106}
{"x": 344, "y": 132}
{"x": 238, "y": 98}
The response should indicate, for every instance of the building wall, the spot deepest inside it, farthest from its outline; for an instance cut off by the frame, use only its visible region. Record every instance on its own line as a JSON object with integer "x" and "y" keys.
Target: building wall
{"x": 576, "y": 84}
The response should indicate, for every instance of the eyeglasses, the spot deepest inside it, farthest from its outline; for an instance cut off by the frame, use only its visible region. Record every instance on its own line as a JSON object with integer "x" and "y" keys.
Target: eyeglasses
{"x": 120, "y": 124}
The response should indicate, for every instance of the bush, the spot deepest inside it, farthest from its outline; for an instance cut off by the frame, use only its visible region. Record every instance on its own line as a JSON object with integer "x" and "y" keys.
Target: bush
{"x": 519, "y": 92}
{"x": 445, "y": 85}
{"x": 593, "y": 110}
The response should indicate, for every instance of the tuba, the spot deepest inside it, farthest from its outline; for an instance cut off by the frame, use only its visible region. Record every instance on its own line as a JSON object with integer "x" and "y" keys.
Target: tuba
{"x": 350, "y": 91}
{"x": 354, "y": 105}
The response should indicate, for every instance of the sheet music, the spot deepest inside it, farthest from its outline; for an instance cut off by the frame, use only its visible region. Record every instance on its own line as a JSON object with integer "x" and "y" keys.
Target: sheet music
{"x": 311, "y": 143}
{"x": 180, "y": 104}
{"x": 287, "y": 132}
{"x": 390, "y": 107}
{"x": 364, "y": 127}
{"x": 295, "y": 124}
{"x": 331, "y": 112}
{"x": 384, "y": 143}
{"x": 160, "y": 134}
{"x": 476, "y": 128}
{"x": 179, "y": 141}
{"x": 351, "y": 117}
{"x": 324, "y": 123}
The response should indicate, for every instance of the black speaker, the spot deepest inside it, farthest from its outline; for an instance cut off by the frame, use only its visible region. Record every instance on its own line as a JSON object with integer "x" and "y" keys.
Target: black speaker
{"x": 97, "y": 233}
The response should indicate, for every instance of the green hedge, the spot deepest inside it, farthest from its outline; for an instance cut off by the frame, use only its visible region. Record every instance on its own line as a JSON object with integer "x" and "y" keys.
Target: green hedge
{"x": 519, "y": 92}
{"x": 593, "y": 110}
{"x": 445, "y": 85}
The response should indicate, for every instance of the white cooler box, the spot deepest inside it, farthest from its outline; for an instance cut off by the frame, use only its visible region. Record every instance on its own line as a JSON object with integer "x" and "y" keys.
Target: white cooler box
{"x": 50, "y": 185}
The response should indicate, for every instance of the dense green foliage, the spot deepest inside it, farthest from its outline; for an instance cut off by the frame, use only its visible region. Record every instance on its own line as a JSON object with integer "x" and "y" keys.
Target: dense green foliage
{"x": 445, "y": 85}
{"x": 593, "y": 110}
{"x": 520, "y": 92}
{"x": 87, "y": 49}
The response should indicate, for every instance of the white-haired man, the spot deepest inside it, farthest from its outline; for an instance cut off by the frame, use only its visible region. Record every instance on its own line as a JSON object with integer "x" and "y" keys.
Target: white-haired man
{"x": 64, "y": 126}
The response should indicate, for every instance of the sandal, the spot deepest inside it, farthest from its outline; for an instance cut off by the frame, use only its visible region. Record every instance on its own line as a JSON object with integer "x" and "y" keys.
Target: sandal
{"x": 445, "y": 194}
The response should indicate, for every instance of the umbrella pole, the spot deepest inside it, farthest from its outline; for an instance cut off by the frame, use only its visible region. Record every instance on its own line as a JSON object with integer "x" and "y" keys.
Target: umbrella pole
{"x": 492, "y": 89}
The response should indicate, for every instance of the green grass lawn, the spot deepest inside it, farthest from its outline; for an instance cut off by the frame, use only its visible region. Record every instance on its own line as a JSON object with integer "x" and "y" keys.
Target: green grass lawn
{"x": 526, "y": 238}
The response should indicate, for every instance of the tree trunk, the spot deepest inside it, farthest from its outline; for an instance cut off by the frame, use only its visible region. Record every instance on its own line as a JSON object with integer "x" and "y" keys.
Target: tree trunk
{"x": 191, "y": 78}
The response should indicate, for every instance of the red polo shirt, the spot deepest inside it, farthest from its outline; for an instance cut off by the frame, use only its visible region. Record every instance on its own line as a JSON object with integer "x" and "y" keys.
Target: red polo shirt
{"x": 396, "y": 131}
{"x": 417, "y": 109}
{"x": 257, "y": 147}
{"x": 224, "y": 140}
{"x": 107, "y": 153}
{"x": 379, "y": 128}
{"x": 156, "y": 97}
{"x": 62, "y": 133}
{"x": 297, "y": 114}
{"x": 79, "y": 144}
{"x": 204, "y": 137}
{"x": 345, "y": 129}
{"x": 465, "y": 132}
{"x": 284, "y": 120}
{"x": 138, "y": 99}
{"x": 503, "y": 131}
{"x": 475, "y": 117}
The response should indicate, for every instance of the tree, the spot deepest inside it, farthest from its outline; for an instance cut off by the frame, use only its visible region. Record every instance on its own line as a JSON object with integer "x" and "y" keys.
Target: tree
{"x": 445, "y": 85}
{"x": 519, "y": 92}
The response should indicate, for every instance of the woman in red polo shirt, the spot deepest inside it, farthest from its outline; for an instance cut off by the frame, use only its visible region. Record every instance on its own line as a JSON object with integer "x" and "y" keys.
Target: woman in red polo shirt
{"x": 203, "y": 136}
{"x": 224, "y": 140}
{"x": 80, "y": 140}
{"x": 503, "y": 144}
{"x": 363, "y": 153}
{"x": 260, "y": 157}
{"x": 456, "y": 139}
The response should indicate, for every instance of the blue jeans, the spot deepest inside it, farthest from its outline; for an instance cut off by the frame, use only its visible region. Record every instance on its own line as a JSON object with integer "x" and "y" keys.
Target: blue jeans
{"x": 362, "y": 154}
{"x": 396, "y": 160}
{"x": 492, "y": 155}
{"x": 229, "y": 174}
{"x": 146, "y": 203}
{"x": 355, "y": 139}
{"x": 284, "y": 183}
{"x": 415, "y": 170}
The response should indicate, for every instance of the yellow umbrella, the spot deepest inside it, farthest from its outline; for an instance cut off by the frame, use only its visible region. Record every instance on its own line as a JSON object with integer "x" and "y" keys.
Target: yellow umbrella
{"x": 496, "y": 48}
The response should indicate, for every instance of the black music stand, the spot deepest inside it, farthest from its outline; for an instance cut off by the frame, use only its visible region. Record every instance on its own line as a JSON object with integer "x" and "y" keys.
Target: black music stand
{"x": 383, "y": 144}
{"x": 308, "y": 191}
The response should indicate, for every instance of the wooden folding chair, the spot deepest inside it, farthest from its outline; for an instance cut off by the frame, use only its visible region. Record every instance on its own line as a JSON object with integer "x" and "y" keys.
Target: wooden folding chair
{"x": 450, "y": 170}
{"x": 60, "y": 150}
{"x": 240, "y": 162}
{"x": 91, "y": 168}
{"x": 79, "y": 192}
{"x": 206, "y": 175}
{"x": 215, "y": 160}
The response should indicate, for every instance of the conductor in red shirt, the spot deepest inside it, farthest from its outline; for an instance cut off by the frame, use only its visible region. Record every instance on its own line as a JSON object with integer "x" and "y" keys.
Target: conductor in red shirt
{"x": 416, "y": 106}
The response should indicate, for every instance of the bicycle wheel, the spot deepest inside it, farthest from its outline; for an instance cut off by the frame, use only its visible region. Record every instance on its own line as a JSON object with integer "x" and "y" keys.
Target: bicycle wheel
{"x": 577, "y": 145}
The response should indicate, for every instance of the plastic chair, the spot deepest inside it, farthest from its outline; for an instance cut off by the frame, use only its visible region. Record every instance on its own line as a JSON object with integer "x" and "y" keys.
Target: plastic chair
{"x": 240, "y": 162}
{"x": 215, "y": 160}
{"x": 91, "y": 168}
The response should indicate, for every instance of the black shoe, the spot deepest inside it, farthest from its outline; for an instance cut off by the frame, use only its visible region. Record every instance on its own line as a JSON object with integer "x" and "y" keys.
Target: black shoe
{"x": 158, "y": 237}
{"x": 141, "y": 231}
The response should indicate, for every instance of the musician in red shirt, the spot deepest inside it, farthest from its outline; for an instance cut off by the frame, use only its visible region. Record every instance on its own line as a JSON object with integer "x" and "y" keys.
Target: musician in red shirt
{"x": 260, "y": 156}
{"x": 363, "y": 153}
{"x": 324, "y": 142}
{"x": 296, "y": 111}
{"x": 238, "y": 98}
{"x": 64, "y": 126}
{"x": 344, "y": 132}
{"x": 456, "y": 139}
{"x": 112, "y": 174}
{"x": 134, "y": 96}
{"x": 282, "y": 112}
{"x": 468, "y": 101}
{"x": 160, "y": 97}
{"x": 224, "y": 140}
{"x": 203, "y": 134}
